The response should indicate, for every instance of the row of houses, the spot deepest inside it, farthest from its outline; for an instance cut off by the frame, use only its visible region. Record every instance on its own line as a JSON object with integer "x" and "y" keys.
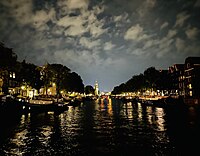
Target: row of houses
{"x": 185, "y": 81}
{"x": 23, "y": 89}
{"x": 186, "y": 78}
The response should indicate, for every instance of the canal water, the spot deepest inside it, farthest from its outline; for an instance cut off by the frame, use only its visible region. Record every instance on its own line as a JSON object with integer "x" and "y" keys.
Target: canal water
{"x": 103, "y": 128}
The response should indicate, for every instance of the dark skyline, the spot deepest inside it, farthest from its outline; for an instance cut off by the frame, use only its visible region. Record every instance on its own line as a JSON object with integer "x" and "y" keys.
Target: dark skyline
{"x": 108, "y": 41}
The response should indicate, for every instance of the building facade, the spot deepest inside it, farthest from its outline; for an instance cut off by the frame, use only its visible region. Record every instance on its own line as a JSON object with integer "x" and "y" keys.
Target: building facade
{"x": 176, "y": 73}
{"x": 192, "y": 77}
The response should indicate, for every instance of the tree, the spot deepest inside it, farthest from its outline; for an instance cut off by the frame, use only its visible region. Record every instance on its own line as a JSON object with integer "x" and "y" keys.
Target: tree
{"x": 7, "y": 57}
{"x": 59, "y": 74}
{"x": 29, "y": 74}
{"x": 89, "y": 89}
{"x": 138, "y": 83}
{"x": 8, "y": 60}
{"x": 164, "y": 81}
{"x": 75, "y": 83}
{"x": 151, "y": 76}
{"x": 119, "y": 89}
{"x": 44, "y": 76}
{"x": 62, "y": 77}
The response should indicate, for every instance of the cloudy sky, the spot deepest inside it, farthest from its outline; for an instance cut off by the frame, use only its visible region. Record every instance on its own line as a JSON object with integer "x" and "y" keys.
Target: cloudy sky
{"x": 104, "y": 40}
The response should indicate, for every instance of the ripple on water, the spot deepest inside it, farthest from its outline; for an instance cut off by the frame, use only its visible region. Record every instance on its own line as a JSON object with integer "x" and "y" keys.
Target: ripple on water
{"x": 92, "y": 129}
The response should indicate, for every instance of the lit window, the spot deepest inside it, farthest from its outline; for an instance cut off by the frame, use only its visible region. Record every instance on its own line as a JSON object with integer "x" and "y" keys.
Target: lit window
{"x": 14, "y": 75}
{"x": 190, "y": 93}
{"x": 190, "y": 86}
{"x": 10, "y": 74}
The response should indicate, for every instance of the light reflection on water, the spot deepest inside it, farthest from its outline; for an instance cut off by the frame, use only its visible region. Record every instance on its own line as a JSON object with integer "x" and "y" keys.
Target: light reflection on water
{"x": 100, "y": 127}
{"x": 159, "y": 113}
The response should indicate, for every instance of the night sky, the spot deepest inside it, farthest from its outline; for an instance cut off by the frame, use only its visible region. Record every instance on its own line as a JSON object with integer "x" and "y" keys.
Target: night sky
{"x": 108, "y": 41}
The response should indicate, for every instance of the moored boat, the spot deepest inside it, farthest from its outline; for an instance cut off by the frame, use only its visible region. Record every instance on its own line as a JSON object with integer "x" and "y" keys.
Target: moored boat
{"x": 44, "y": 106}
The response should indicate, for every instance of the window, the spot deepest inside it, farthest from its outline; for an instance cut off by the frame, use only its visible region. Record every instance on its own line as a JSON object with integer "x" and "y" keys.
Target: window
{"x": 190, "y": 93}
{"x": 13, "y": 75}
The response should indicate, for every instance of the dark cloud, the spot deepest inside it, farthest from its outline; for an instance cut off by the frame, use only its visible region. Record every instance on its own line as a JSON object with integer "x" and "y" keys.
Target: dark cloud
{"x": 108, "y": 41}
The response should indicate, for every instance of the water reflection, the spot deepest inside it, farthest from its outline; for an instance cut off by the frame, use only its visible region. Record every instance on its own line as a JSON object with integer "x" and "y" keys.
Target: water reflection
{"x": 160, "y": 122}
{"x": 103, "y": 127}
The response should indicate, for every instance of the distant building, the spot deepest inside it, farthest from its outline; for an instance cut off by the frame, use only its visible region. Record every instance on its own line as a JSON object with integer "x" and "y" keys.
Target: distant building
{"x": 96, "y": 89}
{"x": 192, "y": 77}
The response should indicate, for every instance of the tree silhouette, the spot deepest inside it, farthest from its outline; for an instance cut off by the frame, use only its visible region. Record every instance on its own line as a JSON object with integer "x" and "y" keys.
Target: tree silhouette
{"x": 29, "y": 74}
{"x": 89, "y": 89}
{"x": 58, "y": 75}
{"x": 7, "y": 57}
{"x": 151, "y": 76}
{"x": 8, "y": 60}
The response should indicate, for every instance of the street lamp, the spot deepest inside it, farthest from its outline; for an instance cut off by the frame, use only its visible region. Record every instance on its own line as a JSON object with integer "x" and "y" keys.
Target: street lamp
{"x": 23, "y": 87}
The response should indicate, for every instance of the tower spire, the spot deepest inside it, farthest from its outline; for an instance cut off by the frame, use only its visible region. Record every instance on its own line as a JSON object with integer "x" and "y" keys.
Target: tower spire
{"x": 96, "y": 88}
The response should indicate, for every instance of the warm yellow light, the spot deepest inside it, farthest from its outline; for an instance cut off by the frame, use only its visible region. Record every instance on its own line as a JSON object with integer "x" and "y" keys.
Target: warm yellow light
{"x": 23, "y": 87}
{"x": 190, "y": 93}
{"x": 31, "y": 94}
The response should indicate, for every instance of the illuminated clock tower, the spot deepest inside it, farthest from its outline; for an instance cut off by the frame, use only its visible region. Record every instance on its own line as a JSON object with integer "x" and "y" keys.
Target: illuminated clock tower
{"x": 96, "y": 89}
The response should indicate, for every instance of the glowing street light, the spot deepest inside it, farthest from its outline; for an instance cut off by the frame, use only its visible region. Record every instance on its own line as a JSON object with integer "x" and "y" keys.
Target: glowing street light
{"x": 23, "y": 87}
